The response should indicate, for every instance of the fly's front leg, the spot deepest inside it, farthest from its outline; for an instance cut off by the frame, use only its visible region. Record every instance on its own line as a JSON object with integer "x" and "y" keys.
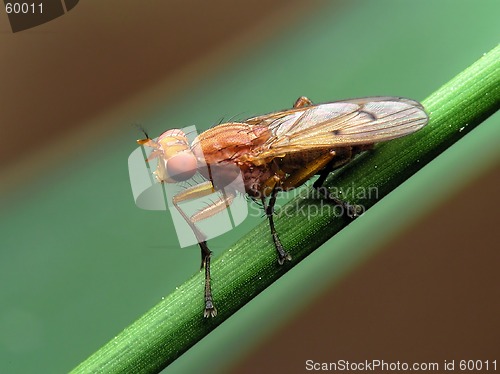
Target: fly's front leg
{"x": 282, "y": 254}
{"x": 210, "y": 310}
{"x": 201, "y": 190}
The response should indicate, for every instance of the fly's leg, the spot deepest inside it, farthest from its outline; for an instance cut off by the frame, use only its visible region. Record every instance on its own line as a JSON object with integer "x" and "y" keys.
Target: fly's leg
{"x": 282, "y": 254}
{"x": 302, "y": 102}
{"x": 276, "y": 183}
{"x": 201, "y": 190}
{"x": 210, "y": 310}
{"x": 207, "y": 212}
{"x": 353, "y": 211}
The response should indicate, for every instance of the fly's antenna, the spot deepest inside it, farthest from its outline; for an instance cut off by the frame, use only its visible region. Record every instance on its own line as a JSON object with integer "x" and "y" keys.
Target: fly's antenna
{"x": 141, "y": 128}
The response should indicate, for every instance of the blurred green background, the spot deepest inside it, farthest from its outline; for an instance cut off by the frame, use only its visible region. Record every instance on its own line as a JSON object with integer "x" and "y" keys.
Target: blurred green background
{"x": 79, "y": 262}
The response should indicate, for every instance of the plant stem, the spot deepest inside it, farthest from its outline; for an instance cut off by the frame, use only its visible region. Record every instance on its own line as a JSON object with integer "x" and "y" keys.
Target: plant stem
{"x": 249, "y": 266}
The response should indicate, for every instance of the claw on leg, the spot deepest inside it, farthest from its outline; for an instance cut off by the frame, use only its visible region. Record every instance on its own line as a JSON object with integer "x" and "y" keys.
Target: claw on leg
{"x": 351, "y": 210}
{"x": 354, "y": 210}
{"x": 210, "y": 310}
{"x": 282, "y": 254}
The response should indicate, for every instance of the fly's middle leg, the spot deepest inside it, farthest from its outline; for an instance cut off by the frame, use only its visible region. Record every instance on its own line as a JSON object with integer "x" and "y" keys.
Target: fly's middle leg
{"x": 291, "y": 181}
{"x": 269, "y": 208}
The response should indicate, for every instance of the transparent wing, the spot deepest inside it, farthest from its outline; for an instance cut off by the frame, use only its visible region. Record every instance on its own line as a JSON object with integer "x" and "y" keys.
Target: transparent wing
{"x": 344, "y": 123}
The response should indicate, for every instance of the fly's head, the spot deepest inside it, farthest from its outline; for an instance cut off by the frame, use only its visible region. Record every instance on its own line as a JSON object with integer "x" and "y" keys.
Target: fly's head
{"x": 176, "y": 161}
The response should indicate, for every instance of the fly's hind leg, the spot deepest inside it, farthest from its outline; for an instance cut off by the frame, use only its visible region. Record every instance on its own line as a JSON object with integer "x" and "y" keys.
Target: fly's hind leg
{"x": 353, "y": 210}
{"x": 302, "y": 102}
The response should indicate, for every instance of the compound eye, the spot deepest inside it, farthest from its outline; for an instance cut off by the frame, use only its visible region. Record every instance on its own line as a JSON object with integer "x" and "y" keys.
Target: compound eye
{"x": 182, "y": 166}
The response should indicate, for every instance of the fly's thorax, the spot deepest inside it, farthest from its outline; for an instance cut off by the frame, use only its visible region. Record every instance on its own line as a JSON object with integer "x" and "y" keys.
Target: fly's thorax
{"x": 228, "y": 142}
{"x": 178, "y": 162}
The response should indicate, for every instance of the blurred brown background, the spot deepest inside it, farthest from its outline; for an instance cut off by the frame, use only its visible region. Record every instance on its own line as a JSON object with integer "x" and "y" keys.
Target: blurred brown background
{"x": 58, "y": 76}
{"x": 431, "y": 294}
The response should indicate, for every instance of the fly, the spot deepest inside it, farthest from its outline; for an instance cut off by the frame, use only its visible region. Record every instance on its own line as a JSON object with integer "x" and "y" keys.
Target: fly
{"x": 277, "y": 152}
